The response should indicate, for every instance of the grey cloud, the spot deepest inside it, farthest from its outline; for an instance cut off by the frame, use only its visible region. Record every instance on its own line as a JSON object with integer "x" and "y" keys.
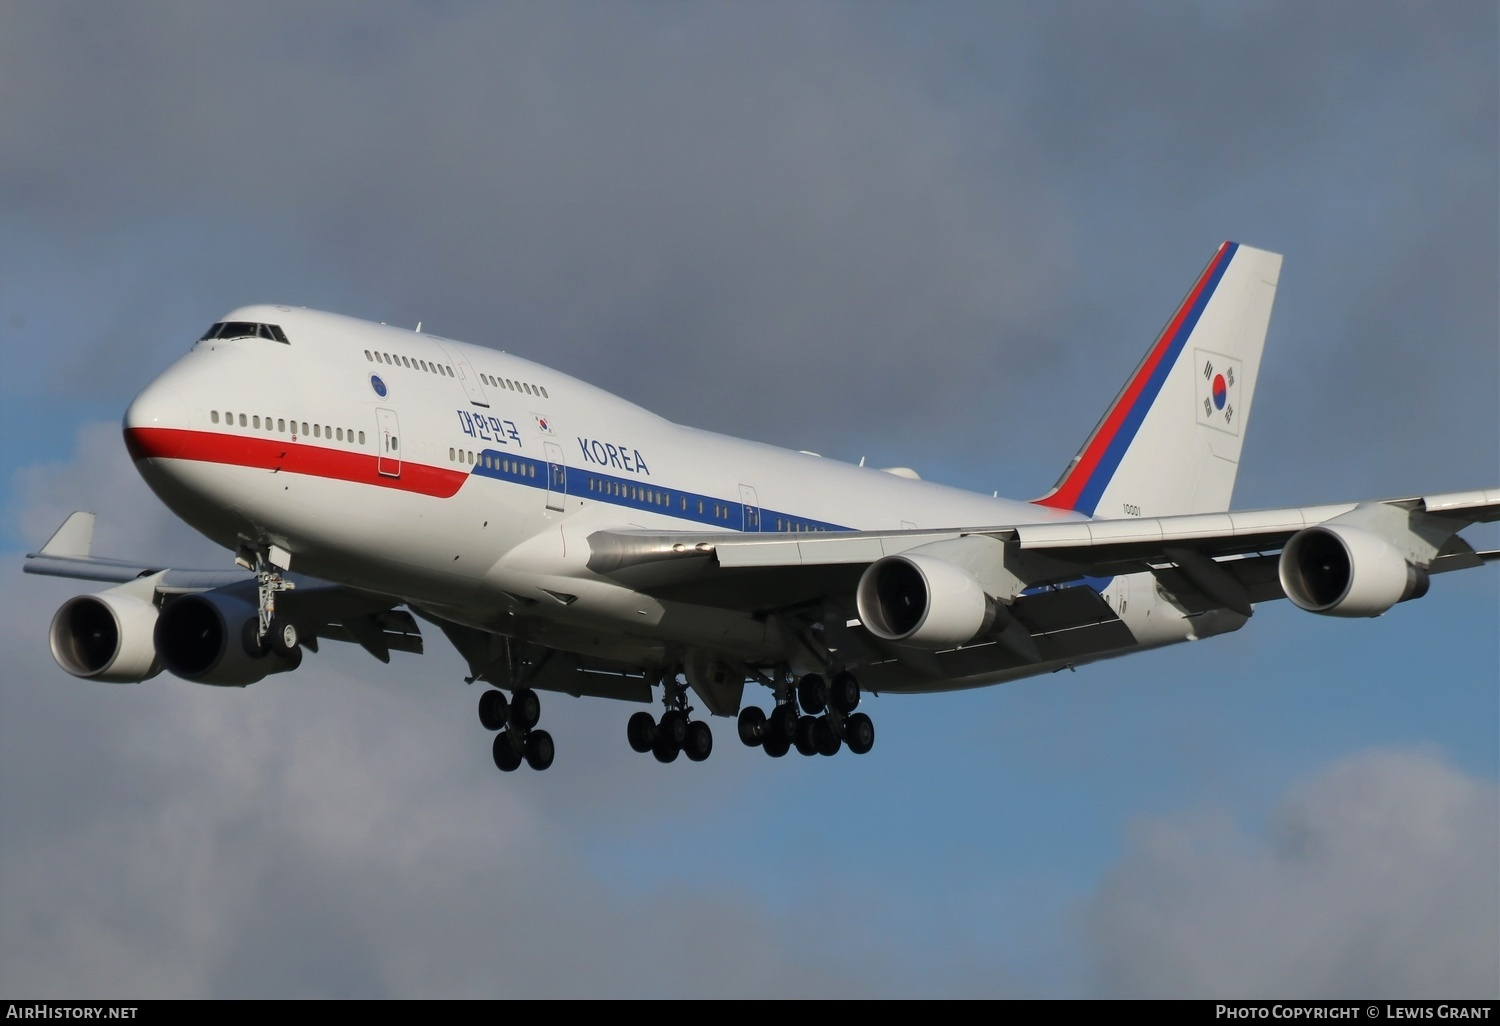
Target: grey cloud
{"x": 1380, "y": 877}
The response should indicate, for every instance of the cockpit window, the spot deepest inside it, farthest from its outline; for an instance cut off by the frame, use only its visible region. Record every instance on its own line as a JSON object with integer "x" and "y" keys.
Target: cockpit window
{"x": 245, "y": 329}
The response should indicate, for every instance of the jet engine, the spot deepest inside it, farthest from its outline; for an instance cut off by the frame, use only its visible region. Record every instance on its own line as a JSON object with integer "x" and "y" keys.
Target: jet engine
{"x": 207, "y": 638}
{"x": 106, "y": 637}
{"x": 1347, "y": 571}
{"x": 922, "y": 600}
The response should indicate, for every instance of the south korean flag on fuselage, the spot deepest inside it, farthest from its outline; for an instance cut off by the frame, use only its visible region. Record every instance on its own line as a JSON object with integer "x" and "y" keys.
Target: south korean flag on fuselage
{"x": 1218, "y": 380}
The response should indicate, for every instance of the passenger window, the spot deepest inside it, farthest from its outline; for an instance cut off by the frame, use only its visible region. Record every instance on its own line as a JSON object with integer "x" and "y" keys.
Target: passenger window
{"x": 368, "y": 357}
{"x": 405, "y": 362}
{"x": 256, "y": 421}
{"x": 317, "y": 431}
{"x": 242, "y": 420}
{"x": 361, "y": 438}
{"x": 213, "y": 415}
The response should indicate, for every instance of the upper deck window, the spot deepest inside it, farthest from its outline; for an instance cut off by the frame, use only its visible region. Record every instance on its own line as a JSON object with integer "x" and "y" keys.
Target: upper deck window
{"x": 245, "y": 329}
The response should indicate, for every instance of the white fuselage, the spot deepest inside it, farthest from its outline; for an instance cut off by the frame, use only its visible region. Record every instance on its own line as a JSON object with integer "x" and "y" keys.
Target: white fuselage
{"x": 467, "y": 481}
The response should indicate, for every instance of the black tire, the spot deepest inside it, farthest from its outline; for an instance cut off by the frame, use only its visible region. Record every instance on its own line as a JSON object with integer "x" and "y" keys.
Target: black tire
{"x": 254, "y": 647}
{"x": 507, "y": 758}
{"x": 539, "y": 750}
{"x": 283, "y": 638}
{"x": 525, "y": 708}
{"x": 752, "y": 725}
{"x": 776, "y": 745}
{"x": 843, "y": 692}
{"x": 663, "y": 747}
{"x": 700, "y": 741}
{"x": 641, "y": 731}
{"x": 812, "y": 694}
{"x": 783, "y": 723}
{"x": 859, "y": 732}
{"x": 492, "y": 710}
{"x": 807, "y": 735}
{"x": 828, "y": 741}
{"x": 674, "y": 724}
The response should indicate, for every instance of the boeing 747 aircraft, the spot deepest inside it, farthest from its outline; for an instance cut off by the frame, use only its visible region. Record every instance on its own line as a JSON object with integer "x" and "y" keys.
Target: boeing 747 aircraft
{"x": 565, "y": 540}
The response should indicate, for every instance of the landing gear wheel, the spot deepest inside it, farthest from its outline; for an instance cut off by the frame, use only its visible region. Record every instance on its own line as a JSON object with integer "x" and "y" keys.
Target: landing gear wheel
{"x": 641, "y": 730}
{"x": 860, "y": 733}
{"x": 674, "y": 725}
{"x": 507, "y": 757}
{"x": 752, "y": 725}
{"x": 812, "y": 694}
{"x": 254, "y": 645}
{"x": 776, "y": 745}
{"x": 492, "y": 709}
{"x": 663, "y": 746}
{"x": 783, "y": 723}
{"x": 539, "y": 750}
{"x": 283, "y": 638}
{"x": 525, "y": 708}
{"x": 843, "y": 692}
{"x": 700, "y": 741}
{"x": 828, "y": 742}
{"x": 807, "y": 735}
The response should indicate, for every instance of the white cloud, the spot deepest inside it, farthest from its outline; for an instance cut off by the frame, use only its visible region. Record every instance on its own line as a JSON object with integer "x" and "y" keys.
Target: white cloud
{"x": 1380, "y": 877}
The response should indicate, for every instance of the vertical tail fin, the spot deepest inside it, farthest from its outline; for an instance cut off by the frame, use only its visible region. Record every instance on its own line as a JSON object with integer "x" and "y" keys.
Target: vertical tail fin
{"x": 1170, "y": 442}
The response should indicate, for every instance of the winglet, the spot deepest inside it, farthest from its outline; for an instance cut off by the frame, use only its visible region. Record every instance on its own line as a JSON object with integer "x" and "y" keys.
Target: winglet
{"x": 74, "y": 538}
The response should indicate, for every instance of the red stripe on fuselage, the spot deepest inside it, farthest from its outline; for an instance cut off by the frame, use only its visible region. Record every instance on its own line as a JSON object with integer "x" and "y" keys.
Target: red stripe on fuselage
{"x": 1065, "y": 495}
{"x": 289, "y": 458}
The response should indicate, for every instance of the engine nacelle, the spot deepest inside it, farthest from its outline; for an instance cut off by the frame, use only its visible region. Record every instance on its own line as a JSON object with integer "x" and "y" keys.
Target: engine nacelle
{"x": 1347, "y": 571}
{"x": 106, "y": 637}
{"x": 922, "y": 600}
{"x": 202, "y": 638}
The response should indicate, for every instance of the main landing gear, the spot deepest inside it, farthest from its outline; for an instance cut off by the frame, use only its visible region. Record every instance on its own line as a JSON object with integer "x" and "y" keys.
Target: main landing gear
{"x": 828, "y": 722}
{"x": 518, "y": 739}
{"x": 675, "y": 733}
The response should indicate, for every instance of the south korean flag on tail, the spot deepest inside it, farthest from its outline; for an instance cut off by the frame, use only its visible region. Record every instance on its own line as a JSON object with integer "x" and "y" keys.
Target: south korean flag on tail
{"x": 1218, "y": 380}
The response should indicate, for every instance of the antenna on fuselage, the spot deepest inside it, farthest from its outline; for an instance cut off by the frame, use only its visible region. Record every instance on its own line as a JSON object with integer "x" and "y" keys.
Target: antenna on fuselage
{"x": 419, "y": 327}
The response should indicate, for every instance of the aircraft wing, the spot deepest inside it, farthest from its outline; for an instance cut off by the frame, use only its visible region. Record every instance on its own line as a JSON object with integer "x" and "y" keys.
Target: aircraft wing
{"x": 1215, "y": 560}
{"x": 320, "y": 609}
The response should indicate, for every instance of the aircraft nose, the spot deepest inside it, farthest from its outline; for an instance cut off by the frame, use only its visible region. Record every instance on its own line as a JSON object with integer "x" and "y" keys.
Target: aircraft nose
{"x": 157, "y": 409}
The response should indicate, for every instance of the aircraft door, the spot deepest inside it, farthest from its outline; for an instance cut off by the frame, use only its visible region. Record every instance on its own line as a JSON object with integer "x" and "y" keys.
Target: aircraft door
{"x": 388, "y": 438}
{"x": 750, "y": 509}
{"x": 557, "y": 476}
{"x": 466, "y": 376}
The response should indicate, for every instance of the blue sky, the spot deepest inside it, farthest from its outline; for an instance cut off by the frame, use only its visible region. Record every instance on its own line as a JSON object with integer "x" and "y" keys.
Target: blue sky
{"x": 934, "y": 236}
